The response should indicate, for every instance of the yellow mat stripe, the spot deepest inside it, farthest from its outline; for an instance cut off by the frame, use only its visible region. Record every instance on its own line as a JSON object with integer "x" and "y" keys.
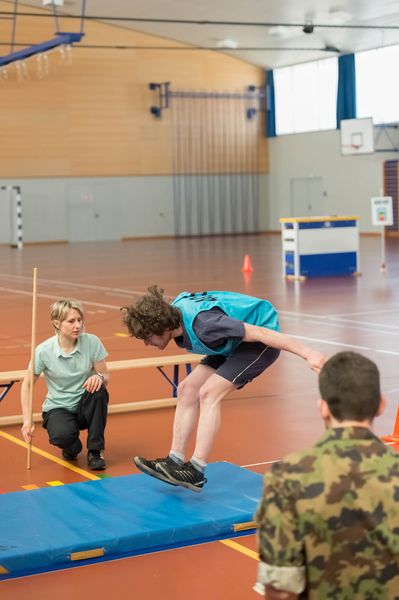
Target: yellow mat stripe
{"x": 31, "y": 486}
{"x": 55, "y": 459}
{"x": 239, "y": 548}
{"x": 54, "y": 483}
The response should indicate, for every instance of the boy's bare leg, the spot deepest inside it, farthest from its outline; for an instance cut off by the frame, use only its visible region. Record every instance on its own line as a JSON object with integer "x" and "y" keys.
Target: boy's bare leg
{"x": 188, "y": 405}
{"x": 211, "y": 395}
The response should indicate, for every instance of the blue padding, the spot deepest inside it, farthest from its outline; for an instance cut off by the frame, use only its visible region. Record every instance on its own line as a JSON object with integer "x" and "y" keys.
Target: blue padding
{"x": 129, "y": 515}
{"x": 328, "y": 265}
{"x": 327, "y": 223}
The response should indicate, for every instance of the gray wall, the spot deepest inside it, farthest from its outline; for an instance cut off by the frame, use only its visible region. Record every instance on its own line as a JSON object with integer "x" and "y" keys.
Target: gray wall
{"x": 89, "y": 209}
{"x": 348, "y": 181}
{"x": 66, "y": 209}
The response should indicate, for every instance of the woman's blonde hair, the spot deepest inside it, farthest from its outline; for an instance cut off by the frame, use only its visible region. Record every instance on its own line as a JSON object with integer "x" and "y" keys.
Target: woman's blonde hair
{"x": 60, "y": 309}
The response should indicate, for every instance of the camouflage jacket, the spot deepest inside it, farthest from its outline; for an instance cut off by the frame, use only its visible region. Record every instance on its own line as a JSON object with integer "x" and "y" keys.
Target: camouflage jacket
{"x": 329, "y": 518}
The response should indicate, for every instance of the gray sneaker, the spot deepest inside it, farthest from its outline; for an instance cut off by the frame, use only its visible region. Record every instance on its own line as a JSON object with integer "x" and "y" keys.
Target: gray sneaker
{"x": 152, "y": 467}
{"x": 185, "y": 475}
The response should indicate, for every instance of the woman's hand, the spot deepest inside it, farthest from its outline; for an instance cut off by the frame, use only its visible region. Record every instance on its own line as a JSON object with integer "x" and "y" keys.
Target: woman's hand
{"x": 27, "y": 430}
{"x": 93, "y": 383}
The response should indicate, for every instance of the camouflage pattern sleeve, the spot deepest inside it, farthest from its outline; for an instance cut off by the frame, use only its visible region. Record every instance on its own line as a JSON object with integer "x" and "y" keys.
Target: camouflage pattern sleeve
{"x": 281, "y": 550}
{"x": 332, "y": 514}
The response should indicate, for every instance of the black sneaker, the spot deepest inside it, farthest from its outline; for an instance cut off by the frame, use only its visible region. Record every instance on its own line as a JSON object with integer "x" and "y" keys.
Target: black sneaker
{"x": 151, "y": 467}
{"x": 185, "y": 475}
{"x": 95, "y": 460}
{"x": 69, "y": 455}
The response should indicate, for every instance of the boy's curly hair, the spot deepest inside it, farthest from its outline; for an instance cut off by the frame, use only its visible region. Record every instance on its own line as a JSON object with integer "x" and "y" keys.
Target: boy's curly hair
{"x": 150, "y": 315}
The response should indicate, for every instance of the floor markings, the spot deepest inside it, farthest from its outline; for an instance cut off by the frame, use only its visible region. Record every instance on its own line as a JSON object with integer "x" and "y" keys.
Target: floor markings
{"x": 31, "y": 486}
{"x": 121, "y": 335}
{"x": 240, "y": 548}
{"x": 54, "y": 483}
{"x": 70, "y": 284}
{"x": 55, "y": 459}
{"x": 341, "y": 344}
{"x": 52, "y": 296}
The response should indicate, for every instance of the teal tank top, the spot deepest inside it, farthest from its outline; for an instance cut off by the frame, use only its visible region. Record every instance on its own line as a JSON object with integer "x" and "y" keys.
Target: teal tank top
{"x": 248, "y": 309}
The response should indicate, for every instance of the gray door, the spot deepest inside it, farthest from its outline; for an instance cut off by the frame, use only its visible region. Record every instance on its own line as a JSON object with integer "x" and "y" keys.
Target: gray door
{"x": 5, "y": 216}
{"x": 307, "y": 197}
{"x": 93, "y": 211}
{"x": 107, "y": 215}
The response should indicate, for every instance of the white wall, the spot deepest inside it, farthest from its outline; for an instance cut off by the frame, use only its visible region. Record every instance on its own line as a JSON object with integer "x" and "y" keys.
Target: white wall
{"x": 349, "y": 181}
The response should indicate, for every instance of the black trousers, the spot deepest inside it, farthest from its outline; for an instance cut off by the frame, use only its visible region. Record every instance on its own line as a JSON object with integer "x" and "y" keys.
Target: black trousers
{"x": 63, "y": 426}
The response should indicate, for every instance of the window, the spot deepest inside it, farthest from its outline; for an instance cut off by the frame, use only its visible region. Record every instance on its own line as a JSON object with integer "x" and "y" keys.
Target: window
{"x": 306, "y": 96}
{"x": 377, "y": 91}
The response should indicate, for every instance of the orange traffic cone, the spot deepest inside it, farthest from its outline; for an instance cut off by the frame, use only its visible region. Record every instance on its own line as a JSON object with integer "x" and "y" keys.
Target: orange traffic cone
{"x": 394, "y": 437}
{"x": 247, "y": 267}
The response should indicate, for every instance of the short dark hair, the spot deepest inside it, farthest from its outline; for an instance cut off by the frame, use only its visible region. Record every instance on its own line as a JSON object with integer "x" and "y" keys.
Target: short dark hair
{"x": 150, "y": 315}
{"x": 350, "y": 384}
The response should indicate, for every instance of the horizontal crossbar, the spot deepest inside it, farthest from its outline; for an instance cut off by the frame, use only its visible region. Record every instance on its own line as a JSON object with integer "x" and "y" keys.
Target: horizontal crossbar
{"x": 121, "y": 365}
{"x": 112, "y": 409}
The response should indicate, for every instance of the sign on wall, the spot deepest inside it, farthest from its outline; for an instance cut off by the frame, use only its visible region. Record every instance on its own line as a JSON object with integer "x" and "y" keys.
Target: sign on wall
{"x": 381, "y": 210}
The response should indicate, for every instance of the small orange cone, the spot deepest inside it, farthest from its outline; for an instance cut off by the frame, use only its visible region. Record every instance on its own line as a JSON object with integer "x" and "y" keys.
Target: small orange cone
{"x": 247, "y": 267}
{"x": 394, "y": 437}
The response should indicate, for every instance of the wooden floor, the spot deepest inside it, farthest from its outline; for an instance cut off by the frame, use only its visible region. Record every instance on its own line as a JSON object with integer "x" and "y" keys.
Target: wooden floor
{"x": 272, "y": 416}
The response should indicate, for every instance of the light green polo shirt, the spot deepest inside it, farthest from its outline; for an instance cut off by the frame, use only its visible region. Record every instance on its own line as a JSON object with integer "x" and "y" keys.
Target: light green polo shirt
{"x": 65, "y": 374}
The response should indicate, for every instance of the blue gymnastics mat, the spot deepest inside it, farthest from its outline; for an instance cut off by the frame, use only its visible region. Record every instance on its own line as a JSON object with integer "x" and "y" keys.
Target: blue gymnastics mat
{"x": 42, "y": 530}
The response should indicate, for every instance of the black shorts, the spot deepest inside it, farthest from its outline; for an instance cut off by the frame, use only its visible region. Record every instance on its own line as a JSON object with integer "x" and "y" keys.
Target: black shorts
{"x": 245, "y": 363}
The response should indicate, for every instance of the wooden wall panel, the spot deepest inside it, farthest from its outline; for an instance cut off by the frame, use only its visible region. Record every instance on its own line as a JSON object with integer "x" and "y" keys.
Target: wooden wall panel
{"x": 91, "y": 118}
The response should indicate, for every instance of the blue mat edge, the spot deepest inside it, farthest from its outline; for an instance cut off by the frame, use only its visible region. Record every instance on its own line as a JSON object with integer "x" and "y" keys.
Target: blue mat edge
{"x": 122, "y": 555}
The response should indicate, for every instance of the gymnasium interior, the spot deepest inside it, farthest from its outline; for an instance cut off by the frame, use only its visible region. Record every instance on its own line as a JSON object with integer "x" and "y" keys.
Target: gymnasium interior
{"x": 241, "y": 146}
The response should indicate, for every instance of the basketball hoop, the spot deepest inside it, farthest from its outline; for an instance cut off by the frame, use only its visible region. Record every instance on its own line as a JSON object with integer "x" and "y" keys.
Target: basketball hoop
{"x": 357, "y": 136}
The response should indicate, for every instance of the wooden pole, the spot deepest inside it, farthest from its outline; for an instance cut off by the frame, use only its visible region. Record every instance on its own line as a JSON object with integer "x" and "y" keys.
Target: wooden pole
{"x": 32, "y": 361}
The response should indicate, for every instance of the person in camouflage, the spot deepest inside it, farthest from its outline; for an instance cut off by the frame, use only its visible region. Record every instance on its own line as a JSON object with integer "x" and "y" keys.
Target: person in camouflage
{"x": 329, "y": 516}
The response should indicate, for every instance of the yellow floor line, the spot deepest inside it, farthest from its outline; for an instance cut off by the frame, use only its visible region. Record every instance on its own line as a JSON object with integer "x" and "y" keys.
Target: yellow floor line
{"x": 239, "y": 548}
{"x": 55, "y": 459}
{"x": 31, "y": 486}
{"x": 54, "y": 483}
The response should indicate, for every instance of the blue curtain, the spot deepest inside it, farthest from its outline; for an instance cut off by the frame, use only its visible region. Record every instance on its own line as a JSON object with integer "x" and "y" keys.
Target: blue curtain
{"x": 270, "y": 106}
{"x": 346, "y": 97}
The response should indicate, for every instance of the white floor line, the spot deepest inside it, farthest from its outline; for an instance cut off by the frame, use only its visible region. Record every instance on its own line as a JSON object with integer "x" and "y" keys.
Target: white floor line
{"x": 376, "y": 311}
{"x": 384, "y": 329}
{"x": 341, "y": 344}
{"x": 54, "y": 297}
{"x": 368, "y": 323}
{"x": 87, "y": 286}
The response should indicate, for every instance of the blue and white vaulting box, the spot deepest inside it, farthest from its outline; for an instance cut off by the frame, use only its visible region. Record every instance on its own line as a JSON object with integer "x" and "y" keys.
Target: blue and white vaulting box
{"x": 320, "y": 246}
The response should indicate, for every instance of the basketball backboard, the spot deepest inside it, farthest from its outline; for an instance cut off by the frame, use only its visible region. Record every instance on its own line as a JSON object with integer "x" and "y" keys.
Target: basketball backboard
{"x": 357, "y": 136}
